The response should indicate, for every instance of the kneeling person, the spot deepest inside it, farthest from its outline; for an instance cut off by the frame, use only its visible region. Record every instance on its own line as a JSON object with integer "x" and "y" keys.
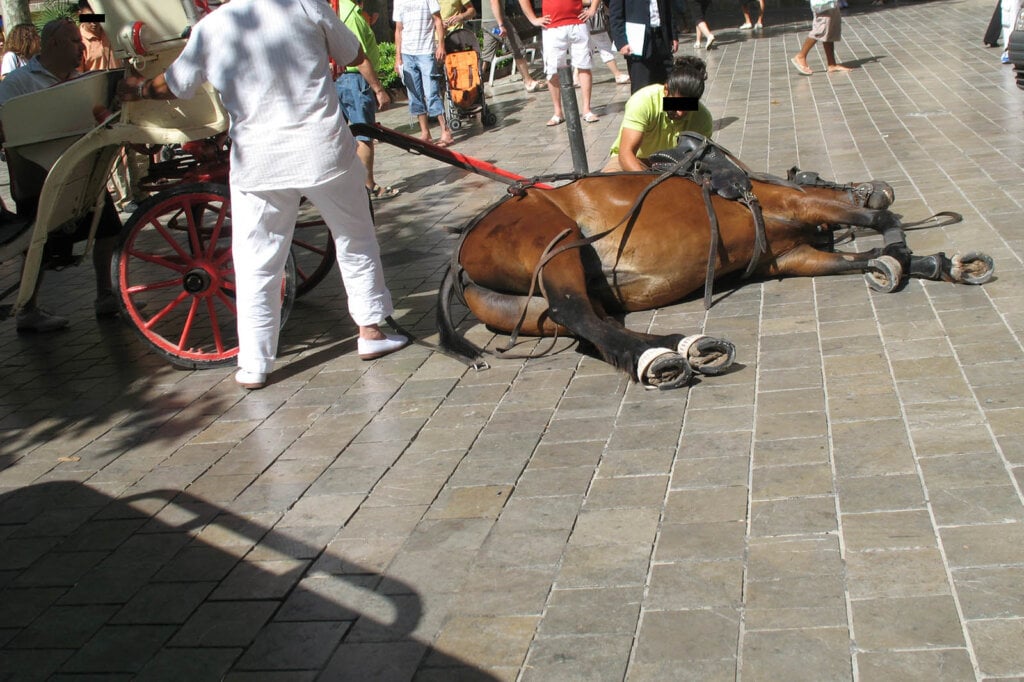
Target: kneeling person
{"x": 648, "y": 128}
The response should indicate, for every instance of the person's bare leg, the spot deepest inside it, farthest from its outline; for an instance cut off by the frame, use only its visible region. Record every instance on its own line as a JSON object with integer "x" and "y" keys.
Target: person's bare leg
{"x": 372, "y": 332}
{"x": 613, "y": 67}
{"x": 760, "y": 17}
{"x": 800, "y": 58}
{"x": 705, "y": 30}
{"x": 553, "y": 85}
{"x": 830, "y": 59}
{"x": 364, "y": 150}
{"x": 586, "y": 86}
{"x": 446, "y": 134}
{"x": 524, "y": 70}
{"x": 424, "y": 127}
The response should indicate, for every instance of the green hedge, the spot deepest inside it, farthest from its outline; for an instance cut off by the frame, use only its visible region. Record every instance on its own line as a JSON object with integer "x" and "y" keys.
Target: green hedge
{"x": 386, "y": 66}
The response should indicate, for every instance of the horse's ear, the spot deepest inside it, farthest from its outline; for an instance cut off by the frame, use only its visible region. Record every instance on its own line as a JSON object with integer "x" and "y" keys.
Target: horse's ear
{"x": 792, "y": 173}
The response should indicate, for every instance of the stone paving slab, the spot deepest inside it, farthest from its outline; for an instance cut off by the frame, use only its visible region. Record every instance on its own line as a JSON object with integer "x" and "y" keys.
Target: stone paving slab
{"x": 845, "y": 506}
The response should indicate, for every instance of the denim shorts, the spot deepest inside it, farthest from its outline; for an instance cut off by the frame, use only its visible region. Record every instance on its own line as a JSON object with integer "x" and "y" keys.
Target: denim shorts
{"x": 423, "y": 93}
{"x": 358, "y": 102}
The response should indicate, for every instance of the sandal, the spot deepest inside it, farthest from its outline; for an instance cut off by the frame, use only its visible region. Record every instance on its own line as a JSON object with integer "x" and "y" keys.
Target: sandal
{"x": 536, "y": 85}
{"x": 554, "y": 121}
{"x": 590, "y": 117}
{"x": 378, "y": 193}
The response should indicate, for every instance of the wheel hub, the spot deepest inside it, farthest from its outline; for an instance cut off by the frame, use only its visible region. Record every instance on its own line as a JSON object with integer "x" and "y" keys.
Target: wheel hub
{"x": 196, "y": 281}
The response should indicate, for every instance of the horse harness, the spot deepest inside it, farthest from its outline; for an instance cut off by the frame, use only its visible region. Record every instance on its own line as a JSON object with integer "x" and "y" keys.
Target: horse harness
{"x": 705, "y": 163}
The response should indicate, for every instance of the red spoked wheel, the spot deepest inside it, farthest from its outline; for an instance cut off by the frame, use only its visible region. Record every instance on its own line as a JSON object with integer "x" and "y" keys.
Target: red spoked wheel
{"x": 175, "y": 279}
{"x": 312, "y": 247}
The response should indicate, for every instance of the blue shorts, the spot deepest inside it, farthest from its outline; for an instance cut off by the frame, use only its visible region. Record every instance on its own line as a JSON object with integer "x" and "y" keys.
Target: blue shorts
{"x": 358, "y": 103}
{"x": 421, "y": 88}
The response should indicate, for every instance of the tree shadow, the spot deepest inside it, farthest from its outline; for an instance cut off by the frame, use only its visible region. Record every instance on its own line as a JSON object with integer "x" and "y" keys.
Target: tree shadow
{"x": 166, "y": 585}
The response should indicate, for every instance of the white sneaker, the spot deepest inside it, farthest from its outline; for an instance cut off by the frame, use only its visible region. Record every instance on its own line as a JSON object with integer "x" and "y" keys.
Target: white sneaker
{"x": 746, "y": 25}
{"x": 371, "y": 349}
{"x": 38, "y": 320}
{"x": 253, "y": 381}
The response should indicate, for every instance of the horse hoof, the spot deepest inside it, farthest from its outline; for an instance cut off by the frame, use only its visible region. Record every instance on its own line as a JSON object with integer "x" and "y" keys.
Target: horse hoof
{"x": 663, "y": 369}
{"x": 706, "y": 354}
{"x": 972, "y": 268}
{"x": 884, "y": 274}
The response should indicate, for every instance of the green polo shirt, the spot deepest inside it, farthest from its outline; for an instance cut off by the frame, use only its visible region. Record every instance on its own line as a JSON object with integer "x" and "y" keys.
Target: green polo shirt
{"x": 353, "y": 19}
{"x": 643, "y": 112}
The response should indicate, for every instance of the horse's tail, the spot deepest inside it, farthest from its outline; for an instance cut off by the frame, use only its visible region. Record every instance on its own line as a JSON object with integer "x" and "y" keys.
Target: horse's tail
{"x": 449, "y": 339}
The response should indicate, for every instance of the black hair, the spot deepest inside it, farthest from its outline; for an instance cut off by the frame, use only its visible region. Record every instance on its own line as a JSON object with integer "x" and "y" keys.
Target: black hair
{"x": 687, "y": 77}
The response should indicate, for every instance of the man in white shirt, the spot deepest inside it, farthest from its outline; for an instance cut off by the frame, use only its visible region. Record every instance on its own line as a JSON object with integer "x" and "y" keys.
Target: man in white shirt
{"x": 268, "y": 61}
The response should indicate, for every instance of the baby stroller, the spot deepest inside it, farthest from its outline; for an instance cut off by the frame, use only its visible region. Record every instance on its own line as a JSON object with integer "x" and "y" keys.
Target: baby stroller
{"x": 463, "y": 89}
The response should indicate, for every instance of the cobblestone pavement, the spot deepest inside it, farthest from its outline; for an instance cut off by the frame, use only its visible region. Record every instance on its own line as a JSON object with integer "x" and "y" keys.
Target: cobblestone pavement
{"x": 847, "y": 505}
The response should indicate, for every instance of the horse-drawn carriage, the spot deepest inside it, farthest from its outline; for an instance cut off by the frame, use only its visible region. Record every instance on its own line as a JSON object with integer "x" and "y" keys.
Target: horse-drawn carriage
{"x": 172, "y": 270}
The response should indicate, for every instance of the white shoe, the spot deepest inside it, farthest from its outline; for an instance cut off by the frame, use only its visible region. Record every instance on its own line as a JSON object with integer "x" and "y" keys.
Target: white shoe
{"x": 758, "y": 26}
{"x": 38, "y": 320}
{"x": 371, "y": 349}
{"x": 250, "y": 380}
{"x": 746, "y": 25}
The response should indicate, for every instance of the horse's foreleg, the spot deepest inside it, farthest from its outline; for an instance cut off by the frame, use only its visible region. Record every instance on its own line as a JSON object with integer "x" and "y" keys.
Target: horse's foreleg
{"x": 807, "y": 261}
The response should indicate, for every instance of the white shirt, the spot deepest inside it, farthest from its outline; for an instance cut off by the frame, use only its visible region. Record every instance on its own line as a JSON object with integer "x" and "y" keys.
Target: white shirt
{"x": 268, "y": 61}
{"x": 11, "y": 61}
{"x": 655, "y": 14}
{"x": 416, "y": 17}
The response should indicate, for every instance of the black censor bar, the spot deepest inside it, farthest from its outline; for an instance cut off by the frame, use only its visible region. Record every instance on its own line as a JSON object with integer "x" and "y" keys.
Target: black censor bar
{"x": 679, "y": 104}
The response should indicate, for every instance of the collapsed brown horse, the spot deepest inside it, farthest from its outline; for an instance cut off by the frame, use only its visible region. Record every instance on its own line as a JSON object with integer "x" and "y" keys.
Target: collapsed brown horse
{"x": 560, "y": 261}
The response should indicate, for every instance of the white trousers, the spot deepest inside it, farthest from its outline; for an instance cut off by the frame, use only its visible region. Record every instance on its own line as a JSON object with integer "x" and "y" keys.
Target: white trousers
{"x": 262, "y": 224}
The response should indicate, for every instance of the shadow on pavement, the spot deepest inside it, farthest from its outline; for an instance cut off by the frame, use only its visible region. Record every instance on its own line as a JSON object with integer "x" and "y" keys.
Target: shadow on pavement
{"x": 163, "y": 585}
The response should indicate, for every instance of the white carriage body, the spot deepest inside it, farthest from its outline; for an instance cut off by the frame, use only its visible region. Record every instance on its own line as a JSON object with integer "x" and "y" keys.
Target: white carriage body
{"x": 57, "y": 130}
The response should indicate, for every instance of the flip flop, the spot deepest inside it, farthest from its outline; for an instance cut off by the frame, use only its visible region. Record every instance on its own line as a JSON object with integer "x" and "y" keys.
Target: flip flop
{"x": 379, "y": 193}
{"x": 554, "y": 121}
{"x": 805, "y": 70}
{"x": 590, "y": 117}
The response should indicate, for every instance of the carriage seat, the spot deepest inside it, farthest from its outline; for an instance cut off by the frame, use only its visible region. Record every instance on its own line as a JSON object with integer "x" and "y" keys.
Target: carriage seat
{"x": 729, "y": 178}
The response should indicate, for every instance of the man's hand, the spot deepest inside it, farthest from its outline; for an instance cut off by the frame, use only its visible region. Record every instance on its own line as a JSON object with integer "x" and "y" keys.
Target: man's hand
{"x": 128, "y": 88}
{"x": 541, "y": 21}
{"x": 135, "y": 87}
{"x": 439, "y": 53}
{"x": 501, "y": 31}
{"x": 625, "y": 49}
{"x": 675, "y": 46}
{"x": 383, "y": 99}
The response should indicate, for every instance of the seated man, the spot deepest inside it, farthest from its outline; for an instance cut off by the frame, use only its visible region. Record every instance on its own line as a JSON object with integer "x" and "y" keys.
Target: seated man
{"x": 57, "y": 63}
{"x": 648, "y": 128}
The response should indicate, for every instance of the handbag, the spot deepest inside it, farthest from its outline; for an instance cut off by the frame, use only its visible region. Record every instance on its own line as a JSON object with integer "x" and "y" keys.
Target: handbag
{"x": 599, "y": 22}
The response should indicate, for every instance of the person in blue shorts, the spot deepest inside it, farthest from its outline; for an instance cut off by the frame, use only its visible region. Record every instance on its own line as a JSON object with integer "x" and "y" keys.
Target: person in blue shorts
{"x": 360, "y": 96}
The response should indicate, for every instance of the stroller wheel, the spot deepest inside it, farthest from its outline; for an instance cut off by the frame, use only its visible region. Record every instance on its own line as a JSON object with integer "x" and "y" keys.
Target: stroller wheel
{"x": 489, "y": 119}
{"x": 454, "y": 123}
